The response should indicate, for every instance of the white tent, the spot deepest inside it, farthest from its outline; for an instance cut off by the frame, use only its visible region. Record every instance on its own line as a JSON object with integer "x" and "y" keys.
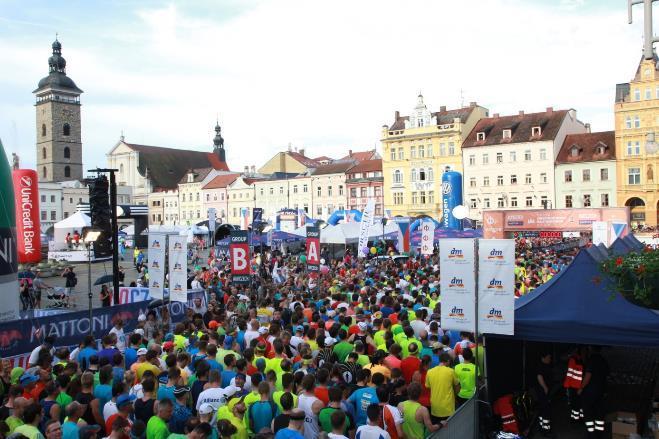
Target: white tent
{"x": 69, "y": 225}
{"x": 348, "y": 233}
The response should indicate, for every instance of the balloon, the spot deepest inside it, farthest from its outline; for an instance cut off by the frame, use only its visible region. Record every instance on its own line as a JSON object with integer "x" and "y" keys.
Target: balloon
{"x": 374, "y": 250}
{"x": 365, "y": 250}
{"x": 324, "y": 269}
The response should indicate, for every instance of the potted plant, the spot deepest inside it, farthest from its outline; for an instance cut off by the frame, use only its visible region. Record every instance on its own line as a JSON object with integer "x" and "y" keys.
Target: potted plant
{"x": 636, "y": 276}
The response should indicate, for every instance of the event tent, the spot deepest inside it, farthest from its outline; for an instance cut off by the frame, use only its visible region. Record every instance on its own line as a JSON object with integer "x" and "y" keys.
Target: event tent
{"x": 579, "y": 305}
{"x": 348, "y": 233}
{"x": 69, "y": 225}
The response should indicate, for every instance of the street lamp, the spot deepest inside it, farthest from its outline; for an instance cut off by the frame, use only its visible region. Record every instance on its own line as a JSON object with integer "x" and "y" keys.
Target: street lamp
{"x": 384, "y": 223}
{"x": 90, "y": 236}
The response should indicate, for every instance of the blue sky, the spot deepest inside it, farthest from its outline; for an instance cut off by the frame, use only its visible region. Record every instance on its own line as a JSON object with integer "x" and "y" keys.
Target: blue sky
{"x": 324, "y": 76}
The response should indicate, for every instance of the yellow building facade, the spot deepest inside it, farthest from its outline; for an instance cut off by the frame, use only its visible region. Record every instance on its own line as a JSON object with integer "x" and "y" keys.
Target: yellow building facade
{"x": 417, "y": 149}
{"x": 636, "y": 128}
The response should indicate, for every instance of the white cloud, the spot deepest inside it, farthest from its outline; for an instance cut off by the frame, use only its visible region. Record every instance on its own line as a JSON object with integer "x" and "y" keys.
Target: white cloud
{"x": 325, "y": 76}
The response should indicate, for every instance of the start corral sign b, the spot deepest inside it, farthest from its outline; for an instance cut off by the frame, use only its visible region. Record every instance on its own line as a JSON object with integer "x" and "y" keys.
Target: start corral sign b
{"x": 240, "y": 259}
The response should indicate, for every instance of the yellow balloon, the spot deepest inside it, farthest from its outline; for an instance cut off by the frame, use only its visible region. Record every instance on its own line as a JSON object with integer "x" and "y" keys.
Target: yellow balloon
{"x": 374, "y": 250}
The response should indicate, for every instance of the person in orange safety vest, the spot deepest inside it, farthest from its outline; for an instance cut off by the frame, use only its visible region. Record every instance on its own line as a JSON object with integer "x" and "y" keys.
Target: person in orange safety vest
{"x": 573, "y": 382}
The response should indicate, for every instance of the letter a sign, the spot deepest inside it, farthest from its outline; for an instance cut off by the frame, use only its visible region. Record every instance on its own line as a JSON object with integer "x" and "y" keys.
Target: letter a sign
{"x": 313, "y": 249}
{"x": 239, "y": 254}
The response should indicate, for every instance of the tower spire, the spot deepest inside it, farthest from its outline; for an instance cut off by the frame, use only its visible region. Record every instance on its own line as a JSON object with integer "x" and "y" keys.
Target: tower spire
{"x": 218, "y": 142}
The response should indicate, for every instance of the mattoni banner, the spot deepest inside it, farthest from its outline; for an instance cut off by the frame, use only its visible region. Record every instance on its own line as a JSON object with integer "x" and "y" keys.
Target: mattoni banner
{"x": 178, "y": 268}
{"x": 313, "y": 248}
{"x": 239, "y": 255}
{"x": 458, "y": 284}
{"x": 367, "y": 221}
{"x": 496, "y": 286}
{"x": 427, "y": 237}
{"x": 157, "y": 243}
{"x": 28, "y": 230}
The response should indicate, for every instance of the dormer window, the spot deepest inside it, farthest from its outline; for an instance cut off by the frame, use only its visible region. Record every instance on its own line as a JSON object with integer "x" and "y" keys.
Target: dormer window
{"x": 574, "y": 151}
{"x": 536, "y": 131}
{"x": 507, "y": 134}
{"x": 480, "y": 136}
{"x": 190, "y": 177}
{"x": 600, "y": 148}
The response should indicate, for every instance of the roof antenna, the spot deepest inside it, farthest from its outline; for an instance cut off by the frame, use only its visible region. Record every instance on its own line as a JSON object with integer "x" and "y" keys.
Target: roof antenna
{"x": 122, "y": 135}
{"x": 462, "y": 98}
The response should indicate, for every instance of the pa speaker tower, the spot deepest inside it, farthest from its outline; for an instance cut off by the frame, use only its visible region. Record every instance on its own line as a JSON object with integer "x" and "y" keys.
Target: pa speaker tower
{"x": 101, "y": 215}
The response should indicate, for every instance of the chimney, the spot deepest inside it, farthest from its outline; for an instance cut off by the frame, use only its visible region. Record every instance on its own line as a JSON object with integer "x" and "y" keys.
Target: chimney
{"x": 588, "y": 128}
{"x": 472, "y": 104}
{"x": 521, "y": 112}
{"x": 442, "y": 108}
{"x": 290, "y": 147}
{"x": 550, "y": 109}
{"x": 495, "y": 115}
{"x": 301, "y": 151}
{"x": 397, "y": 115}
{"x": 350, "y": 153}
{"x": 253, "y": 170}
{"x": 246, "y": 170}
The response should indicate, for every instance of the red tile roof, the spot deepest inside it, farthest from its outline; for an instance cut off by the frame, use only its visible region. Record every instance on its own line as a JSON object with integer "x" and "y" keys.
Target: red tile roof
{"x": 443, "y": 117}
{"x": 220, "y": 181}
{"x": 199, "y": 175}
{"x": 521, "y": 126}
{"x": 306, "y": 161}
{"x": 366, "y": 166}
{"x": 334, "y": 168}
{"x": 322, "y": 158}
{"x": 360, "y": 156}
{"x": 588, "y": 147}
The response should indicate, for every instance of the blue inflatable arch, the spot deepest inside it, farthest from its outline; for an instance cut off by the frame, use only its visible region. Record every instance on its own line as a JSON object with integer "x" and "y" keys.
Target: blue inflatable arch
{"x": 340, "y": 215}
{"x": 416, "y": 223}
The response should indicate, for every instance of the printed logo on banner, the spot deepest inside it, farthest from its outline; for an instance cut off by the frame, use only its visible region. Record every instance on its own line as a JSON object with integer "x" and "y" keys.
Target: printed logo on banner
{"x": 313, "y": 249}
{"x": 239, "y": 255}
{"x": 496, "y": 292}
{"x": 155, "y": 244}
{"x": 457, "y": 312}
{"x": 495, "y": 284}
{"x": 456, "y": 253}
{"x": 456, "y": 282}
{"x": 178, "y": 260}
{"x": 495, "y": 314}
{"x": 496, "y": 255}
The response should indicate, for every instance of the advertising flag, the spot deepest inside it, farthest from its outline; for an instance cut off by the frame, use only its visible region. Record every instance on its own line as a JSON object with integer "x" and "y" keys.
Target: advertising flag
{"x": 240, "y": 259}
{"x": 367, "y": 221}
{"x": 404, "y": 226}
{"x": 212, "y": 213}
{"x": 427, "y": 237}
{"x": 178, "y": 268}
{"x": 27, "y": 215}
{"x": 600, "y": 233}
{"x": 244, "y": 218}
{"x": 458, "y": 284}
{"x": 313, "y": 248}
{"x": 156, "y": 266}
{"x": 257, "y": 216}
{"x": 618, "y": 230}
{"x": 496, "y": 286}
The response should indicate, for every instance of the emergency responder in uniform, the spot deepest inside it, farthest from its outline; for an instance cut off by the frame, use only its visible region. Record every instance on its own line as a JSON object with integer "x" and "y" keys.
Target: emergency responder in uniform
{"x": 592, "y": 392}
{"x": 543, "y": 387}
{"x": 573, "y": 383}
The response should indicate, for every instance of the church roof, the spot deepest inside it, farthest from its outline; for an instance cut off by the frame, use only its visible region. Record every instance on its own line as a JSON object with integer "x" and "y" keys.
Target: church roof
{"x": 57, "y": 78}
{"x": 166, "y": 166}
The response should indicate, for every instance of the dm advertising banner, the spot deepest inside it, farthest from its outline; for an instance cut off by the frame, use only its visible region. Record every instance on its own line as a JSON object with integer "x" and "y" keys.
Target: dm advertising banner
{"x": 239, "y": 254}
{"x": 313, "y": 249}
{"x": 496, "y": 286}
{"x": 178, "y": 268}
{"x": 367, "y": 221}
{"x": 28, "y": 229}
{"x": 458, "y": 285}
{"x": 156, "y": 265}
{"x": 427, "y": 237}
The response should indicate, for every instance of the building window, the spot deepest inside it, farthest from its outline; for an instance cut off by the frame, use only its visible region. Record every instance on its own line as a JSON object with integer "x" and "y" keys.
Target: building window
{"x": 235, "y": 213}
{"x": 295, "y": 189}
{"x": 499, "y": 202}
{"x": 43, "y": 130}
{"x": 472, "y": 160}
{"x": 340, "y": 190}
{"x": 208, "y": 197}
{"x": 472, "y": 203}
{"x": 422, "y": 197}
{"x": 648, "y": 93}
{"x": 586, "y": 200}
{"x": 431, "y": 197}
{"x": 486, "y": 159}
{"x": 398, "y": 198}
{"x": 585, "y": 175}
{"x": 66, "y": 130}
{"x": 363, "y": 192}
{"x": 401, "y": 154}
{"x": 500, "y": 180}
{"x": 67, "y": 171}
{"x": 604, "y": 174}
{"x": 637, "y": 122}
{"x": 412, "y": 152}
{"x": 544, "y": 202}
{"x": 486, "y": 181}
{"x": 422, "y": 151}
{"x": 628, "y": 122}
{"x": 543, "y": 154}
{"x": 43, "y": 153}
{"x": 656, "y": 92}
{"x": 637, "y": 94}
{"x": 442, "y": 149}
{"x": 527, "y": 155}
{"x": 451, "y": 148}
{"x": 527, "y": 179}
{"x": 529, "y": 201}
{"x": 415, "y": 198}
{"x": 604, "y": 200}
{"x": 197, "y": 196}
{"x": 398, "y": 177}
{"x": 499, "y": 157}
{"x": 513, "y": 202}
{"x": 378, "y": 191}
{"x": 536, "y": 131}
{"x": 480, "y": 136}
{"x": 513, "y": 156}
{"x": 568, "y": 176}
{"x": 513, "y": 179}
{"x": 634, "y": 176}
{"x": 633, "y": 148}
{"x": 486, "y": 203}
{"x": 507, "y": 134}
{"x": 429, "y": 151}
{"x": 472, "y": 182}
{"x": 413, "y": 175}
{"x": 52, "y": 198}
{"x": 430, "y": 175}
{"x": 44, "y": 215}
{"x": 393, "y": 154}
{"x": 353, "y": 192}
{"x": 43, "y": 198}
{"x": 543, "y": 177}
{"x": 319, "y": 191}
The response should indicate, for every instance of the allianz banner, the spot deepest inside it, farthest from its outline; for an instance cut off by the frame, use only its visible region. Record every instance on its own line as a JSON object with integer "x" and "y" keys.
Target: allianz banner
{"x": 496, "y": 286}
{"x": 458, "y": 284}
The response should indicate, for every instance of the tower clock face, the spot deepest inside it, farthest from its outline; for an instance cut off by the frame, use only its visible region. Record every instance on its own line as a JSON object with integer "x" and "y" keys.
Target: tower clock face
{"x": 67, "y": 113}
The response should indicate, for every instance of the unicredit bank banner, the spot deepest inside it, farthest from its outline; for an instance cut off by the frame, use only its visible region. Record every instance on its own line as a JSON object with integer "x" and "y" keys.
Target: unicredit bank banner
{"x": 28, "y": 229}
{"x": 239, "y": 254}
{"x": 313, "y": 249}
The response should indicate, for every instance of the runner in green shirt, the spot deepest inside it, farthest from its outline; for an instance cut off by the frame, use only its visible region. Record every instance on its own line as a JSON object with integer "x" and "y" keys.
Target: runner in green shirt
{"x": 343, "y": 348}
{"x": 156, "y": 428}
{"x": 325, "y": 414}
{"x": 466, "y": 373}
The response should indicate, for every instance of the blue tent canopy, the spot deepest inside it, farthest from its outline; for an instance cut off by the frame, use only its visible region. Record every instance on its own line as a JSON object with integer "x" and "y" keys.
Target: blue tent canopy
{"x": 579, "y": 306}
{"x": 633, "y": 242}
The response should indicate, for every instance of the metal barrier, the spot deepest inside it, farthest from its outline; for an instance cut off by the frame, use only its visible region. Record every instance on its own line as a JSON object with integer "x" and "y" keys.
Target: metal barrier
{"x": 461, "y": 425}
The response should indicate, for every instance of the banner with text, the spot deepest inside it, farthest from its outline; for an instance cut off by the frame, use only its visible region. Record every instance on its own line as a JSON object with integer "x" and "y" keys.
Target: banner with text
{"x": 427, "y": 237}
{"x": 178, "y": 268}
{"x": 600, "y": 233}
{"x": 496, "y": 286}
{"x": 156, "y": 265}
{"x": 367, "y": 221}
{"x": 239, "y": 254}
{"x": 313, "y": 249}
{"x": 456, "y": 263}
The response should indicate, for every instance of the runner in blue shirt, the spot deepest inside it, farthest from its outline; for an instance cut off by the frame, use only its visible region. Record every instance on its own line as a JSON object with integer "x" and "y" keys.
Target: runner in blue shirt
{"x": 362, "y": 397}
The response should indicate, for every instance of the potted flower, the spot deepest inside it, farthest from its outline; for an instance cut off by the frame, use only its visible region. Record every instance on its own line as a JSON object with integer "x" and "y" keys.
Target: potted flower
{"x": 636, "y": 276}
